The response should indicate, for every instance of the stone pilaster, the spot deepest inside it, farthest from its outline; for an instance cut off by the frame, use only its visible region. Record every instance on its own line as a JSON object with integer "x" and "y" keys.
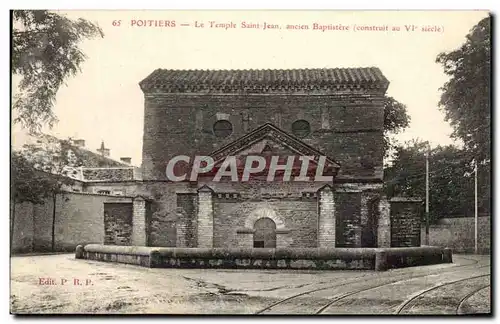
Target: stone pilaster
{"x": 363, "y": 219}
{"x": 384, "y": 223}
{"x": 139, "y": 222}
{"x": 326, "y": 221}
{"x": 180, "y": 228}
{"x": 205, "y": 217}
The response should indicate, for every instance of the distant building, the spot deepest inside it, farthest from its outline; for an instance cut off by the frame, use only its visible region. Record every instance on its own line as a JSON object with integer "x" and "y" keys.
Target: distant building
{"x": 81, "y": 163}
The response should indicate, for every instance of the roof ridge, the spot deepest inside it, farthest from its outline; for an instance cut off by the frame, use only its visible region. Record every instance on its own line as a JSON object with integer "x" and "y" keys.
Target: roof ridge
{"x": 270, "y": 69}
{"x": 265, "y": 80}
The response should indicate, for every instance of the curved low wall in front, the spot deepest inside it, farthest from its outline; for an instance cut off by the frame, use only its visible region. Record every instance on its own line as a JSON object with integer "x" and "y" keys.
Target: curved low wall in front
{"x": 261, "y": 258}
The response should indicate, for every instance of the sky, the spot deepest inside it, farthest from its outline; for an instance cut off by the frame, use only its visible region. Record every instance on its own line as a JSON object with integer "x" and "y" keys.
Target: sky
{"x": 104, "y": 101}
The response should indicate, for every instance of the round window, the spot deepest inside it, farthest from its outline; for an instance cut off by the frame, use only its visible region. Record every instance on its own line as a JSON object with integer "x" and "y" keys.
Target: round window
{"x": 301, "y": 128}
{"x": 223, "y": 128}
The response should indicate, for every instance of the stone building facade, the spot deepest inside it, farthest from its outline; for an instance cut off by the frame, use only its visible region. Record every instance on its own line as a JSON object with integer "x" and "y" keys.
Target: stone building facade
{"x": 334, "y": 113}
{"x": 337, "y": 113}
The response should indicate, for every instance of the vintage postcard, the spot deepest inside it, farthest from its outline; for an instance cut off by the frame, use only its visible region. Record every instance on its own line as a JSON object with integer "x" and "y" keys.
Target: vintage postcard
{"x": 250, "y": 162}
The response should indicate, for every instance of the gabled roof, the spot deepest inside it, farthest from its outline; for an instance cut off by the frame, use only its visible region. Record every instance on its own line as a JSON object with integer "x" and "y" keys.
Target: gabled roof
{"x": 275, "y": 134}
{"x": 264, "y": 81}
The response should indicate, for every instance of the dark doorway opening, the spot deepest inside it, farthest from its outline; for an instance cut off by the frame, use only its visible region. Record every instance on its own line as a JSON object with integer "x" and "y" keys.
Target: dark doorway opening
{"x": 265, "y": 233}
{"x": 369, "y": 235}
{"x": 118, "y": 223}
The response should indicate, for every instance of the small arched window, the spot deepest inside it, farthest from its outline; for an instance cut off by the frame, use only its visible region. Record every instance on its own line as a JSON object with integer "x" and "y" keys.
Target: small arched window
{"x": 223, "y": 128}
{"x": 265, "y": 233}
{"x": 301, "y": 128}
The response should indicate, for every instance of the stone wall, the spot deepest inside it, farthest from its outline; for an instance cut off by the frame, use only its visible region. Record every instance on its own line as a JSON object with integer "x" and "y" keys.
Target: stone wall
{"x": 163, "y": 214}
{"x": 42, "y": 219}
{"x": 174, "y": 215}
{"x": 22, "y": 227}
{"x": 79, "y": 219}
{"x": 279, "y": 258}
{"x": 347, "y": 126}
{"x": 458, "y": 234}
{"x": 297, "y": 222}
{"x": 405, "y": 222}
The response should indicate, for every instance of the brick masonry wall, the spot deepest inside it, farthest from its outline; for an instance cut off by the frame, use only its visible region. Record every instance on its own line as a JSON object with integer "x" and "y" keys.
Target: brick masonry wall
{"x": 327, "y": 218}
{"x": 405, "y": 224}
{"x": 205, "y": 219}
{"x": 139, "y": 225}
{"x": 458, "y": 234}
{"x": 351, "y": 132}
{"x": 187, "y": 227}
{"x": 384, "y": 223}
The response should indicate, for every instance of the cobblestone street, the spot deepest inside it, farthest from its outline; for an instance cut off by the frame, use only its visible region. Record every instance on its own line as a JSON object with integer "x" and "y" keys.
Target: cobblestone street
{"x": 62, "y": 284}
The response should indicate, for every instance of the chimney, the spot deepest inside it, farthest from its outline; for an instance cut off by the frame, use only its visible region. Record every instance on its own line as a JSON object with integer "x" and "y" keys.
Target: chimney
{"x": 103, "y": 150}
{"x": 126, "y": 160}
{"x": 79, "y": 143}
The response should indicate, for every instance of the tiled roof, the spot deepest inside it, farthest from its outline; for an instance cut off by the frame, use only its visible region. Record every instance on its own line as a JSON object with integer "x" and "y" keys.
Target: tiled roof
{"x": 108, "y": 174}
{"x": 262, "y": 81}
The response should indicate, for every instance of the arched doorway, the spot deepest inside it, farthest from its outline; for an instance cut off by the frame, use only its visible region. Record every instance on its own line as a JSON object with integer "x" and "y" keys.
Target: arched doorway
{"x": 265, "y": 233}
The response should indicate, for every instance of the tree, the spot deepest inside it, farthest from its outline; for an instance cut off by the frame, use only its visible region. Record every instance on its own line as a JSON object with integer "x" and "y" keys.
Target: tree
{"x": 465, "y": 98}
{"x": 451, "y": 190}
{"x": 395, "y": 121}
{"x": 29, "y": 184}
{"x": 45, "y": 53}
{"x": 53, "y": 156}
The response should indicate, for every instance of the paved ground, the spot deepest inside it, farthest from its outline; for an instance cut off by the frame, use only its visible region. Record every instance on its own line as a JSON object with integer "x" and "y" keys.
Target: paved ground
{"x": 82, "y": 286}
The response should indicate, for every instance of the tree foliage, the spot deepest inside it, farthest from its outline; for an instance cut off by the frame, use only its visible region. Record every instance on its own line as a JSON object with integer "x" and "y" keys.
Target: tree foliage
{"x": 52, "y": 155}
{"x": 396, "y": 120}
{"x": 43, "y": 169}
{"x": 45, "y": 53}
{"x": 28, "y": 184}
{"x": 451, "y": 179}
{"x": 465, "y": 98}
